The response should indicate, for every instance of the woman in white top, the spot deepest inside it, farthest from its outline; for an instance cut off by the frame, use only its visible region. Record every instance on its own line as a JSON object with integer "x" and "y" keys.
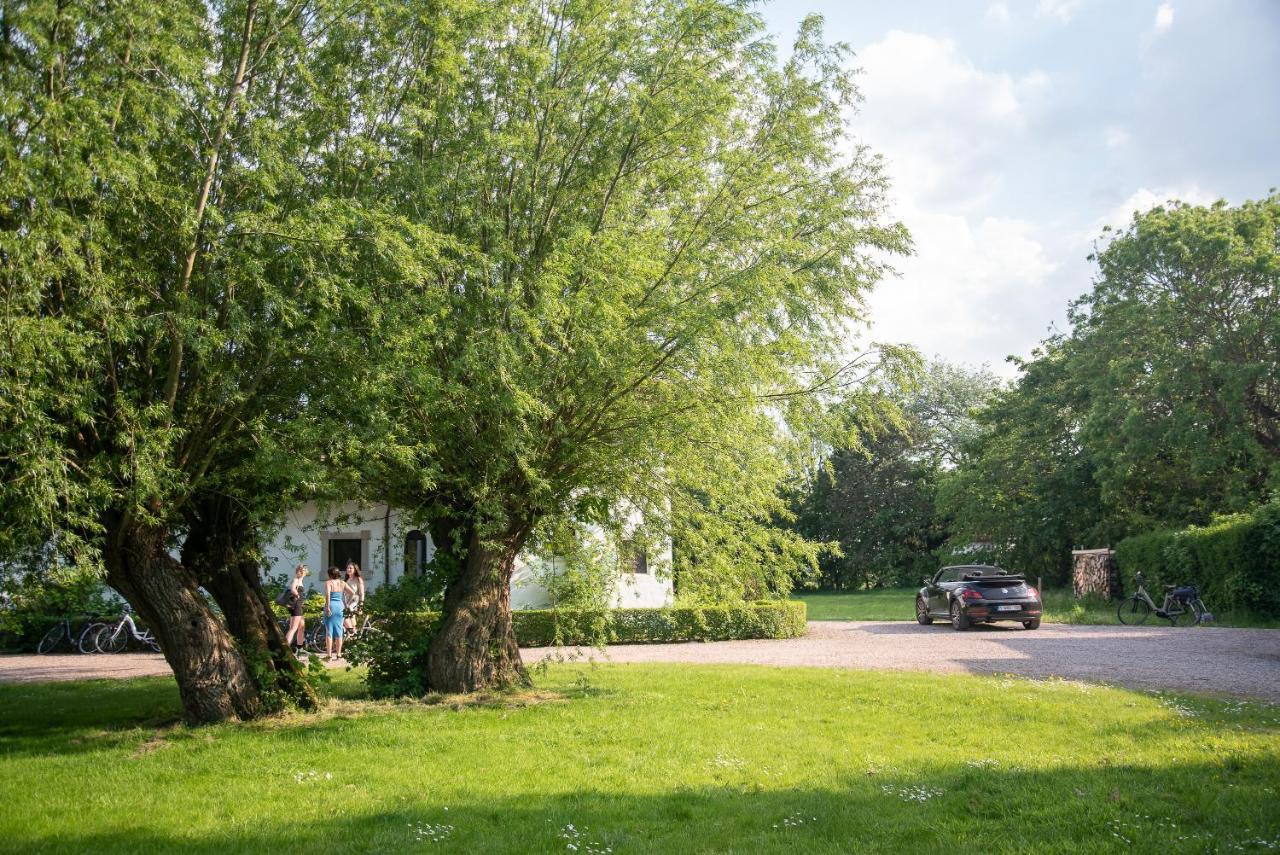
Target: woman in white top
{"x": 355, "y": 593}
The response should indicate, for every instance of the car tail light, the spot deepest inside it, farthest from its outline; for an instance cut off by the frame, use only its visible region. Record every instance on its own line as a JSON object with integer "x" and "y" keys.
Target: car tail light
{"x": 1032, "y": 592}
{"x": 970, "y": 594}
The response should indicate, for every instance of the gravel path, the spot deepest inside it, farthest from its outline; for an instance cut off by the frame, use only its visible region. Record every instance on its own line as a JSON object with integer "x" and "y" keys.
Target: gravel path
{"x": 1242, "y": 662}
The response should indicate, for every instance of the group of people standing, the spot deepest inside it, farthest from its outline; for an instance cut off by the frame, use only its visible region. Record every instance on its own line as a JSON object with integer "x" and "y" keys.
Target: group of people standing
{"x": 343, "y": 597}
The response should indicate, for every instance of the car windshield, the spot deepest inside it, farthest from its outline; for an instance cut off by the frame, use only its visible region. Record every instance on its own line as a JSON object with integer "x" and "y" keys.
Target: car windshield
{"x": 956, "y": 574}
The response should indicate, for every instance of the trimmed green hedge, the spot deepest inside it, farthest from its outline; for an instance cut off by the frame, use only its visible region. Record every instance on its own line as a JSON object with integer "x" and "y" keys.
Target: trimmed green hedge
{"x": 396, "y": 655}
{"x": 546, "y": 627}
{"x": 1235, "y": 561}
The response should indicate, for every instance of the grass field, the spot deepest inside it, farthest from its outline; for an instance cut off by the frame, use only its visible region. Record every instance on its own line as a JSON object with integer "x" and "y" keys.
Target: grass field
{"x": 649, "y": 759}
{"x": 1060, "y": 606}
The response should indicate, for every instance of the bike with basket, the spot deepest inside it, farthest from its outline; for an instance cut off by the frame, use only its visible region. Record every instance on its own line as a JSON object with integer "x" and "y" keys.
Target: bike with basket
{"x": 1182, "y": 605}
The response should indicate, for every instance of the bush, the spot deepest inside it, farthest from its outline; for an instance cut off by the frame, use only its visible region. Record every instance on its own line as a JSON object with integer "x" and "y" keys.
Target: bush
{"x": 397, "y": 655}
{"x": 1235, "y": 561}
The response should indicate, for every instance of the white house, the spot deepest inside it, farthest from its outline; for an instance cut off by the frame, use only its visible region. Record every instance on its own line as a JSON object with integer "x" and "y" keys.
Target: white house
{"x": 379, "y": 539}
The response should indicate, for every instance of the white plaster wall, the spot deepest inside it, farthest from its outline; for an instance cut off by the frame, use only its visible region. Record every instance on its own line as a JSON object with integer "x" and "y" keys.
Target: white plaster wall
{"x": 304, "y": 533}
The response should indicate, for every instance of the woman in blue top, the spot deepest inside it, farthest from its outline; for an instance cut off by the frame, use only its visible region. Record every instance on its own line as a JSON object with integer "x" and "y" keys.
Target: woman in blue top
{"x": 334, "y": 591}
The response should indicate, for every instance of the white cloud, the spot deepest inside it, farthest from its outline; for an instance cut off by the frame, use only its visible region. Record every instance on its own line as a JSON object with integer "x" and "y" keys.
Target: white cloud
{"x": 1063, "y": 10}
{"x": 1164, "y": 17}
{"x": 1142, "y": 200}
{"x": 970, "y": 284}
{"x": 998, "y": 13}
{"x": 940, "y": 121}
{"x": 946, "y": 129}
{"x": 1116, "y": 137}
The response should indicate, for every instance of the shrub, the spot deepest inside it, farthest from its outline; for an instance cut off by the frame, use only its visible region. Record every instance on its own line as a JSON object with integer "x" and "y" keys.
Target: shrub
{"x": 396, "y": 655}
{"x": 1234, "y": 561}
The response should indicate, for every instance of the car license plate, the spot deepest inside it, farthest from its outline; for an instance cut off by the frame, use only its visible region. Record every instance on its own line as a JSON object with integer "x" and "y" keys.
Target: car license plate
{"x": 1008, "y": 608}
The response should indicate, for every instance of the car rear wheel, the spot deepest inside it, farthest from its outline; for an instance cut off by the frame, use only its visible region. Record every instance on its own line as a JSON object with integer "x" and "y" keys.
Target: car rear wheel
{"x": 1034, "y": 623}
{"x": 958, "y": 621}
{"x": 922, "y": 612}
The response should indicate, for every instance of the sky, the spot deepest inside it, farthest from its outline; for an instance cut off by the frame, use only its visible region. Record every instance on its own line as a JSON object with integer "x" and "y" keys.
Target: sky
{"x": 1013, "y": 131}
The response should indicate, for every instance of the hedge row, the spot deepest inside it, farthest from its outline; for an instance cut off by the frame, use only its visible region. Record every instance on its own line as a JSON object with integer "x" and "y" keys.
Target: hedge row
{"x": 396, "y": 655}
{"x": 1235, "y": 562}
{"x": 547, "y": 627}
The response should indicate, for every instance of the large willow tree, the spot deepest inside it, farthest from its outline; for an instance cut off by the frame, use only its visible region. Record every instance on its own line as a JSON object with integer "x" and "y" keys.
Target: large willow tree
{"x": 656, "y": 236}
{"x": 185, "y": 235}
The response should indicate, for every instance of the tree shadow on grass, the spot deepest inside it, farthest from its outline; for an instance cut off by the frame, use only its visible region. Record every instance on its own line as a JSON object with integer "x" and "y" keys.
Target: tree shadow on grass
{"x": 1171, "y": 808}
{"x": 74, "y": 717}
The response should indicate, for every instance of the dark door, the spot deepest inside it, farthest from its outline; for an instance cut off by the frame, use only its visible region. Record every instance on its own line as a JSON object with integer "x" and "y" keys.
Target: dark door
{"x": 937, "y": 593}
{"x": 342, "y": 551}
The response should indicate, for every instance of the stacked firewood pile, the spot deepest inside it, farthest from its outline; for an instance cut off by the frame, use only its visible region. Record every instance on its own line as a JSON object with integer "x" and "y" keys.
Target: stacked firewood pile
{"x": 1095, "y": 572}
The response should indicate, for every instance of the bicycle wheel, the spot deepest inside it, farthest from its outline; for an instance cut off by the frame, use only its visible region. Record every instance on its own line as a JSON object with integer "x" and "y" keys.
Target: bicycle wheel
{"x": 315, "y": 636}
{"x": 1184, "y": 617}
{"x": 112, "y": 638}
{"x": 1133, "y": 611}
{"x": 148, "y": 640}
{"x": 50, "y": 640}
{"x": 87, "y": 643}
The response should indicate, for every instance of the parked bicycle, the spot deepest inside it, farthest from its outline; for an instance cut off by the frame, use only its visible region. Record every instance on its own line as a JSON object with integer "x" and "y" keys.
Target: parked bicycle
{"x": 312, "y": 641}
{"x": 115, "y": 637}
{"x": 314, "y": 638}
{"x": 1182, "y": 605}
{"x": 63, "y": 633}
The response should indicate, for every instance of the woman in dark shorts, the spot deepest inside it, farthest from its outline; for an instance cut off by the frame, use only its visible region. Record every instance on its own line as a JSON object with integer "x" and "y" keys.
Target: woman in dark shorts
{"x": 296, "y": 632}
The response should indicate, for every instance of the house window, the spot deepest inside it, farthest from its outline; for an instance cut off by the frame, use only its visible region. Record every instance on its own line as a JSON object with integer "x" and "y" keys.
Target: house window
{"x": 345, "y": 549}
{"x": 634, "y": 559}
{"x": 415, "y": 553}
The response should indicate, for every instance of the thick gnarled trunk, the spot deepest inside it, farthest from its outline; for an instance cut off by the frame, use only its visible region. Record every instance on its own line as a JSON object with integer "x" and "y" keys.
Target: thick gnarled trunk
{"x": 216, "y": 549}
{"x": 475, "y": 648}
{"x": 252, "y": 622}
{"x": 214, "y": 680}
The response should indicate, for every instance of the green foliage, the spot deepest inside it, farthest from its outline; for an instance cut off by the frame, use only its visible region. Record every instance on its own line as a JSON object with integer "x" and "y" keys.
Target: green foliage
{"x": 656, "y": 239}
{"x": 36, "y": 598}
{"x": 1234, "y": 561}
{"x": 32, "y": 596}
{"x": 396, "y": 652}
{"x": 875, "y": 501}
{"x": 779, "y": 619}
{"x": 407, "y": 594}
{"x": 1160, "y": 408}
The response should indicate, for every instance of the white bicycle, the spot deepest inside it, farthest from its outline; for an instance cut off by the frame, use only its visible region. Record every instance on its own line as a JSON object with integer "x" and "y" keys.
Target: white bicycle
{"x": 115, "y": 637}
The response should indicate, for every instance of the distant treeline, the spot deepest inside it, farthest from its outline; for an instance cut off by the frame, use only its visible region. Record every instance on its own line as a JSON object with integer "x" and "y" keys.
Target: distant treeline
{"x": 1159, "y": 408}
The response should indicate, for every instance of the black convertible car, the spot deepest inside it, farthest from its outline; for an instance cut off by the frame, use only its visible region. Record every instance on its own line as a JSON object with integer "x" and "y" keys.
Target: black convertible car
{"x": 966, "y": 594}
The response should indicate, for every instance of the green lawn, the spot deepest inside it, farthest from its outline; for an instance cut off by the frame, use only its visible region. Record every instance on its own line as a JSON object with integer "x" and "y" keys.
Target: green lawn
{"x": 1060, "y": 606}
{"x": 663, "y": 758}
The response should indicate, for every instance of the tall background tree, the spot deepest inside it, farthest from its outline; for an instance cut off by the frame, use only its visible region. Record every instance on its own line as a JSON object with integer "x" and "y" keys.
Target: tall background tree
{"x": 185, "y": 235}
{"x": 876, "y": 501}
{"x": 1161, "y": 407}
{"x": 658, "y": 233}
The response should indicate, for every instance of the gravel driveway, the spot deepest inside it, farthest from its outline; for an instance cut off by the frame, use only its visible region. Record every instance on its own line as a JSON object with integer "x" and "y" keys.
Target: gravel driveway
{"x": 1243, "y": 662}
{"x": 1229, "y": 661}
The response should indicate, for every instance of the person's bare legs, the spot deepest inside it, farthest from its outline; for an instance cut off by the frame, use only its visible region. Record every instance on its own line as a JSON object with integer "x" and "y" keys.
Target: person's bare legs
{"x": 295, "y": 631}
{"x": 328, "y": 644}
{"x": 340, "y": 645}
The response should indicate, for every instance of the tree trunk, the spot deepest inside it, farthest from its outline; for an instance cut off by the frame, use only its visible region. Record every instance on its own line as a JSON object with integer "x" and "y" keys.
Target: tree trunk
{"x": 475, "y": 648}
{"x": 214, "y": 680}
{"x": 215, "y": 549}
{"x": 252, "y": 621}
